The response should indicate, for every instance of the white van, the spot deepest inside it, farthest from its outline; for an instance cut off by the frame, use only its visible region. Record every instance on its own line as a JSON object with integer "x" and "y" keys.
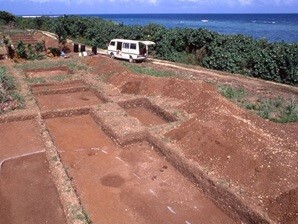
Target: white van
{"x": 132, "y": 50}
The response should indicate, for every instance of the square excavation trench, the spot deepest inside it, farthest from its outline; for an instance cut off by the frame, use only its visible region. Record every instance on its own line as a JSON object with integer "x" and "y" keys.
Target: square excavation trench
{"x": 67, "y": 100}
{"x": 19, "y": 138}
{"x": 146, "y": 113}
{"x": 28, "y": 193}
{"x": 27, "y": 190}
{"x": 132, "y": 184}
{"x": 47, "y": 72}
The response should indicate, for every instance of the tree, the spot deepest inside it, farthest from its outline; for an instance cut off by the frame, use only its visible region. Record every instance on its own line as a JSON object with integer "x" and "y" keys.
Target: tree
{"x": 60, "y": 30}
{"x": 6, "y": 17}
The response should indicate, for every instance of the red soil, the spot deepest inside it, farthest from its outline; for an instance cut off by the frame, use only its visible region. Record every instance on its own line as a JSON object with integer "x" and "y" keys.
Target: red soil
{"x": 27, "y": 192}
{"x": 49, "y": 42}
{"x": 57, "y": 87}
{"x": 67, "y": 100}
{"x": 160, "y": 193}
{"x": 241, "y": 153}
{"x": 26, "y": 39}
{"x": 15, "y": 139}
{"x": 145, "y": 116}
{"x": 223, "y": 138}
{"x": 47, "y": 72}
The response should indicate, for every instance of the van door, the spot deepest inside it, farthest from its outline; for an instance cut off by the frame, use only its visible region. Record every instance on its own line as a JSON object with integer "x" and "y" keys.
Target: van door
{"x": 119, "y": 50}
{"x": 125, "y": 50}
{"x": 119, "y": 46}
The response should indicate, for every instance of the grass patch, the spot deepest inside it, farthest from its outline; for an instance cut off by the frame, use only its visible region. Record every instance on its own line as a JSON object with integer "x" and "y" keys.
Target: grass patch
{"x": 275, "y": 109}
{"x": 235, "y": 94}
{"x": 289, "y": 113}
{"x": 60, "y": 77}
{"x": 41, "y": 80}
{"x": 10, "y": 98}
{"x": 36, "y": 80}
{"x": 6, "y": 81}
{"x": 147, "y": 71}
{"x": 72, "y": 64}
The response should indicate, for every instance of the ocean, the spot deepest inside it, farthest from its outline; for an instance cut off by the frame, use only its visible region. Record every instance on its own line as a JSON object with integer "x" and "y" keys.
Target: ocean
{"x": 273, "y": 27}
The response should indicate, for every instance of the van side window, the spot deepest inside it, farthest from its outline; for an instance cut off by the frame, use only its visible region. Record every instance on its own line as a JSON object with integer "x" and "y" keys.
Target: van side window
{"x": 126, "y": 45}
{"x": 133, "y": 46}
{"x": 112, "y": 43}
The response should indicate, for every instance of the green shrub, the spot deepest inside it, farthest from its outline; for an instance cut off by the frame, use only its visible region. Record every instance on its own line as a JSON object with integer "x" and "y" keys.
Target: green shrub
{"x": 231, "y": 93}
{"x": 21, "y": 50}
{"x": 288, "y": 113}
{"x": 232, "y": 53}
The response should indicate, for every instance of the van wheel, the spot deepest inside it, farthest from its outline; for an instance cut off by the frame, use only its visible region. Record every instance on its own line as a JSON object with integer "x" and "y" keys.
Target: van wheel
{"x": 112, "y": 55}
{"x": 131, "y": 60}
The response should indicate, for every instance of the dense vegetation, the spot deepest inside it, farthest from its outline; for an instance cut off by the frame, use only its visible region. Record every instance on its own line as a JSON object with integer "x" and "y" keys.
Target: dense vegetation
{"x": 233, "y": 53}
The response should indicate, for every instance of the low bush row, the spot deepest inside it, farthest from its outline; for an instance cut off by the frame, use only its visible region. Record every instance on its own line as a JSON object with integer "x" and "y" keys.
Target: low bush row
{"x": 232, "y": 53}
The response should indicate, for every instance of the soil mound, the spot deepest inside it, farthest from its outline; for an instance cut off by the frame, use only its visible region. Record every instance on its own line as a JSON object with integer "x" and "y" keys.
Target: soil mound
{"x": 241, "y": 150}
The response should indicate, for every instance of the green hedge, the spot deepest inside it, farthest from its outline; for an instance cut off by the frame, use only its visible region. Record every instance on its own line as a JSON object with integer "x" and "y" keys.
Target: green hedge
{"x": 232, "y": 53}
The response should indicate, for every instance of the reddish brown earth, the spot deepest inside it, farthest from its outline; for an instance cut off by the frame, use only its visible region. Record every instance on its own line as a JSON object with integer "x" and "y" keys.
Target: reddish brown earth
{"x": 47, "y": 72}
{"x": 25, "y": 38}
{"x": 245, "y": 164}
{"x": 67, "y": 100}
{"x": 16, "y": 140}
{"x": 38, "y": 88}
{"x": 223, "y": 138}
{"x": 255, "y": 86}
{"x": 49, "y": 42}
{"x": 128, "y": 185}
{"x": 27, "y": 190}
{"x": 145, "y": 116}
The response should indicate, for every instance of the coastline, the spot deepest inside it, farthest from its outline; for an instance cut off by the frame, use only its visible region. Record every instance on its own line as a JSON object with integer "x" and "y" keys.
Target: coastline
{"x": 275, "y": 27}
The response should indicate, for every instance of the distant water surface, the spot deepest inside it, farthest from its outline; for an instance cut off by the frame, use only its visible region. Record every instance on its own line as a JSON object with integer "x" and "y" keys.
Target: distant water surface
{"x": 273, "y": 27}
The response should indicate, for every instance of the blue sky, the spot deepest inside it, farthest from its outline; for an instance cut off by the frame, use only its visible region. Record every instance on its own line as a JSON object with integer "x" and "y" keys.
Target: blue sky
{"x": 42, "y": 7}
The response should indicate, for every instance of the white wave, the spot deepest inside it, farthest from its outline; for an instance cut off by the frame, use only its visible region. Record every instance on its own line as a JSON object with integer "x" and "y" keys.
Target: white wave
{"x": 263, "y": 22}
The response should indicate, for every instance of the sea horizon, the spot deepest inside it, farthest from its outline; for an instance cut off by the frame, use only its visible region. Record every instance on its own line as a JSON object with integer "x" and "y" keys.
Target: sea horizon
{"x": 275, "y": 27}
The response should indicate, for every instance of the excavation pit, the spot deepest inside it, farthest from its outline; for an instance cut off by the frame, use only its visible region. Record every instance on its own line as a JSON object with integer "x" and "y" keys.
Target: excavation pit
{"x": 47, "y": 72}
{"x": 68, "y": 100}
{"x": 27, "y": 191}
{"x": 131, "y": 184}
{"x": 26, "y": 135}
{"x": 146, "y": 112}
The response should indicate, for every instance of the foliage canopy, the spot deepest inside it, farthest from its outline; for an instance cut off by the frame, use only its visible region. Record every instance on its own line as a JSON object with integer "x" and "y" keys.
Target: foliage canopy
{"x": 232, "y": 53}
